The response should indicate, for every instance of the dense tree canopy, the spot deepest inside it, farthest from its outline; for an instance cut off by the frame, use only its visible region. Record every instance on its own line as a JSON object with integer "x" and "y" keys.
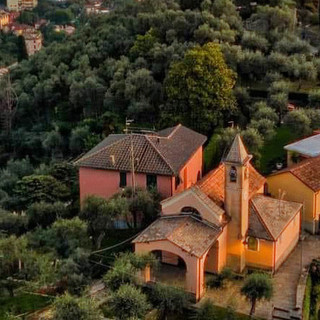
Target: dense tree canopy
{"x": 200, "y": 87}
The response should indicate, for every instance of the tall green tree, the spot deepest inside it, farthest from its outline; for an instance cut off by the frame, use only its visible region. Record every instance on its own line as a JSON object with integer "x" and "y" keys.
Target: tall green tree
{"x": 199, "y": 88}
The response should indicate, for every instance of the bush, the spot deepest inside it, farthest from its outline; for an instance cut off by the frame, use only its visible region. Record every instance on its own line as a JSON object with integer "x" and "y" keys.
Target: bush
{"x": 125, "y": 269}
{"x": 129, "y": 302}
{"x": 206, "y": 311}
{"x": 67, "y": 307}
{"x": 122, "y": 273}
{"x": 13, "y": 223}
{"x": 168, "y": 299}
{"x": 44, "y": 214}
{"x": 219, "y": 280}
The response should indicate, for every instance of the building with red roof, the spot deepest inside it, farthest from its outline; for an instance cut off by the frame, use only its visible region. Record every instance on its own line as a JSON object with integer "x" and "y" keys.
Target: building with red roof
{"x": 223, "y": 220}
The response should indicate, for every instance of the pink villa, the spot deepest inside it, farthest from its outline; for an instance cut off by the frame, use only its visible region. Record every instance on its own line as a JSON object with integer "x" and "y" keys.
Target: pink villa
{"x": 169, "y": 160}
{"x": 223, "y": 220}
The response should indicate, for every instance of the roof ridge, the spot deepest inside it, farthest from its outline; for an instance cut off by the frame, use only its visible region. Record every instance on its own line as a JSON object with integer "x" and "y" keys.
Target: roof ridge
{"x": 261, "y": 220}
{"x": 102, "y": 149}
{"x": 159, "y": 153}
{"x": 207, "y": 223}
{"x": 178, "y": 126}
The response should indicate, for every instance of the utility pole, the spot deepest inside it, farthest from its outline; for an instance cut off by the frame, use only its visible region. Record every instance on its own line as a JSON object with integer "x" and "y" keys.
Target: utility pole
{"x": 133, "y": 179}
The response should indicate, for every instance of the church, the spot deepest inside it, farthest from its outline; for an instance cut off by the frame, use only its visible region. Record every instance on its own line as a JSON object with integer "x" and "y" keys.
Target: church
{"x": 226, "y": 219}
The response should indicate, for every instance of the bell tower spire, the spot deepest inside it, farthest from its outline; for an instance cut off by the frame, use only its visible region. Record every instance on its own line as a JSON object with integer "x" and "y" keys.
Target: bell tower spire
{"x": 237, "y": 201}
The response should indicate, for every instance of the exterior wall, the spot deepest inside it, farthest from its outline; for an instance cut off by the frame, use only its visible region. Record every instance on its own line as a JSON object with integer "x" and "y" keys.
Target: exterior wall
{"x": 237, "y": 206}
{"x": 13, "y": 5}
{"x": 212, "y": 260}
{"x": 164, "y": 185}
{"x": 263, "y": 258}
{"x": 223, "y": 245}
{"x": 105, "y": 183}
{"x": 195, "y": 266}
{"x": 19, "y": 5}
{"x": 216, "y": 258}
{"x": 170, "y": 258}
{"x": 295, "y": 190}
{"x": 287, "y": 241}
{"x": 189, "y": 173}
{"x": 102, "y": 183}
{"x": 271, "y": 254}
{"x": 187, "y": 199}
{"x": 33, "y": 44}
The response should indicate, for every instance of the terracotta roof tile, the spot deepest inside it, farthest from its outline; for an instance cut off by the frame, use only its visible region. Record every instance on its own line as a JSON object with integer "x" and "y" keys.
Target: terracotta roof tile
{"x": 308, "y": 171}
{"x": 185, "y": 231}
{"x": 256, "y": 227}
{"x": 164, "y": 153}
{"x": 275, "y": 214}
{"x": 213, "y": 184}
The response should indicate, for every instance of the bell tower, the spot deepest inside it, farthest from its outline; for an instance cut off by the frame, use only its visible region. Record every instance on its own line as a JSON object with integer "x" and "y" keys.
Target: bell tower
{"x": 237, "y": 202}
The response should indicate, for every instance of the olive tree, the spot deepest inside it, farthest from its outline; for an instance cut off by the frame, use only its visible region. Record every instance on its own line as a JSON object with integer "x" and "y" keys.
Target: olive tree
{"x": 257, "y": 286}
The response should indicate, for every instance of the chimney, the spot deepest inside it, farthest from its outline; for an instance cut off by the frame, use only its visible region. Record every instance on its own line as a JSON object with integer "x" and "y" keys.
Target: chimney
{"x": 113, "y": 160}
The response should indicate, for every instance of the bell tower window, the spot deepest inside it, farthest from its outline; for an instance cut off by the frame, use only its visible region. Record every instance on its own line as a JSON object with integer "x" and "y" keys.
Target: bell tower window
{"x": 233, "y": 174}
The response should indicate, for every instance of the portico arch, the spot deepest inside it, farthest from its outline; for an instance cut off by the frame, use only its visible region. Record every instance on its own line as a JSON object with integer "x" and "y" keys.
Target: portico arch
{"x": 195, "y": 280}
{"x": 171, "y": 270}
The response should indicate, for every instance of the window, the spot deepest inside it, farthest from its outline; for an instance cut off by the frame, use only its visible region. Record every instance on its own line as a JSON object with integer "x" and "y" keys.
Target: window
{"x": 151, "y": 181}
{"x": 123, "y": 179}
{"x": 193, "y": 211}
{"x": 252, "y": 243}
{"x": 233, "y": 174}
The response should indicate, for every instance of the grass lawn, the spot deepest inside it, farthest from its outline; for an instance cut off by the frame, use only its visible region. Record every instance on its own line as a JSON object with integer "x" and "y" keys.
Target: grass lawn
{"x": 273, "y": 152}
{"x": 22, "y": 303}
{"x": 222, "y": 313}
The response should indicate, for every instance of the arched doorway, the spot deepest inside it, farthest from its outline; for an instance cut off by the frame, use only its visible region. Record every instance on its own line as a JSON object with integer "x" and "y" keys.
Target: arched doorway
{"x": 172, "y": 269}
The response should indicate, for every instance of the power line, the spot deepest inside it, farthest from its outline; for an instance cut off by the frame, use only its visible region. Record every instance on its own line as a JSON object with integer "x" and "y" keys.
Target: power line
{"x": 116, "y": 245}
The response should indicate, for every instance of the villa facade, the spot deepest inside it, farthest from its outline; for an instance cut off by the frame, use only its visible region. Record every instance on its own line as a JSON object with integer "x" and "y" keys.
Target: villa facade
{"x": 169, "y": 160}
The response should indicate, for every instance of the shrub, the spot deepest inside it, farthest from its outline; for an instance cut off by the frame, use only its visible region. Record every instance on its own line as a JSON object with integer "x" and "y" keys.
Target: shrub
{"x": 129, "y": 302}
{"x": 206, "y": 311}
{"x": 168, "y": 299}
{"x": 67, "y": 307}
{"x": 219, "y": 280}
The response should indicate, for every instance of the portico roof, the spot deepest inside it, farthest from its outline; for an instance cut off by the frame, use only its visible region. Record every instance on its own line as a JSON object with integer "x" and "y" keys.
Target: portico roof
{"x": 185, "y": 231}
